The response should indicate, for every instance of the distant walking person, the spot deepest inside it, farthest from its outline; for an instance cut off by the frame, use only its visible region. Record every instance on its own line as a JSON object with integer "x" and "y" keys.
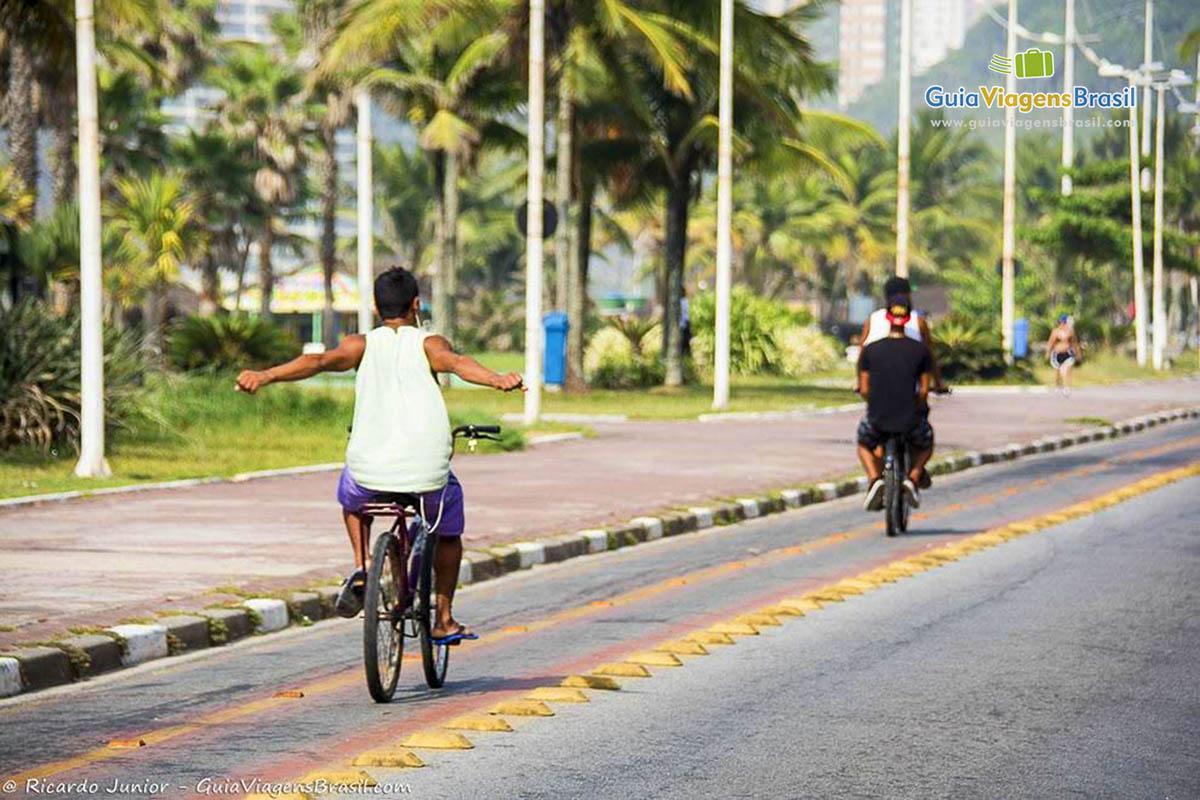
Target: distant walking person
{"x": 1062, "y": 348}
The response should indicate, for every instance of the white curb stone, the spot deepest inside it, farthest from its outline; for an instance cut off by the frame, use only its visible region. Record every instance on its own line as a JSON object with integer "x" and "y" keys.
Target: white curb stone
{"x": 791, "y": 497}
{"x": 974, "y": 458}
{"x": 597, "y": 541}
{"x": 704, "y": 517}
{"x": 652, "y": 525}
{"x": 143, "y": 642}
{"x": 464, "y": 573}
{"x": 10, "y": 677}
{"x": 862, "y": 484}
{"x": 531, "y": 553}
{"x": 272, "y": 613}
{"x": 749, "y": 507}
{"x": 1012, "y": 451}
{"x": 827, "y": 491}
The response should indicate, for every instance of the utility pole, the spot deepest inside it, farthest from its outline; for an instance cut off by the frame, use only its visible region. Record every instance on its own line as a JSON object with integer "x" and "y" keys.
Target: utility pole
{"x": 904, "y": 125}
{"x": 533, "y": 217}
{"x": 91, "y": 462}
{"x": 1147, "y": 58}
{"x": 1135, "y": 194}
{"x": 1160, "y": 313}
{"x": 1007, "y": 303}
{"x": 365, "y": 209}
{"x": 1068, "y": 136}
{"x": 724, "y": 210}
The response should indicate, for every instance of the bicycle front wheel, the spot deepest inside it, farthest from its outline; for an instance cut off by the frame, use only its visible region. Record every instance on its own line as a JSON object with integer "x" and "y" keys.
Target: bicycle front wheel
{"x": 435, "y": 657}
{"x": 383, "y": 623}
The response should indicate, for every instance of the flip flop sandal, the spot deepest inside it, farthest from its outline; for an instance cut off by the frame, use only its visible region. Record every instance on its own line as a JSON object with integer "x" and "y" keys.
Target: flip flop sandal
{"x": 456, "y": 637}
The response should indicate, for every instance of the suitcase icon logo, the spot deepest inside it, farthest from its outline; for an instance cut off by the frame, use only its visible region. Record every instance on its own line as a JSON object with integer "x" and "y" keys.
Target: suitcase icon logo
{"x": 1033, "y": 63}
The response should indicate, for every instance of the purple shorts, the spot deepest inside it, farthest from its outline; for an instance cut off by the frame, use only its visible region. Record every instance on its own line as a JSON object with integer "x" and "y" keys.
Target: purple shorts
{"x": 352, "y": 497}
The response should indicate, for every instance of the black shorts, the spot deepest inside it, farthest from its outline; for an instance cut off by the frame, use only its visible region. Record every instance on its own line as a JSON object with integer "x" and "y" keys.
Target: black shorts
{"x": 919, "y": 436}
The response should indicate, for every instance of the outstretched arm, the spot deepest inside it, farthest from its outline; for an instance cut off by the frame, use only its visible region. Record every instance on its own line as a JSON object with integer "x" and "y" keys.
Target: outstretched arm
{"x": 442, "y": 358}
{"x": 346, "y": 355}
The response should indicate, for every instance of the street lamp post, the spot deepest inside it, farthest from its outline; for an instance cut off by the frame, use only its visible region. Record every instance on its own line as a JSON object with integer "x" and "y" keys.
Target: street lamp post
{"x": 533, "y": 217}
{"x": 904, "y": 124}
{"x": 365, "y": 211}
{"x": 724, "y": 210}
{"x": 1068, "y": 135}
{"x": 1160, "y": 316}
{"x": 1135, "y": 194}
{"x": 91, "y": 389}
{"x": 1007, "y": 303}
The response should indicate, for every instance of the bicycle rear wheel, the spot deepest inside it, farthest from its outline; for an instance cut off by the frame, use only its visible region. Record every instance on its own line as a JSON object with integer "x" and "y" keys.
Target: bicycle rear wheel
{"x": 902, "y": 473}
{"x": 893, "y": 492}
{"x": 383, "y": 623}
{"x": 434, "y": 657}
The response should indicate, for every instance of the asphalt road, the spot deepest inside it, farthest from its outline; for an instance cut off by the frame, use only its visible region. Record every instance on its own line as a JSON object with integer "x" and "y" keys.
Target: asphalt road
{"x": 1066, "y": 662}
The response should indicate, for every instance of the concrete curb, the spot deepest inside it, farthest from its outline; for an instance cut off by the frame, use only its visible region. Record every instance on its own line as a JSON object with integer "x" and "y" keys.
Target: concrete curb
{"x": 33, "y": 668}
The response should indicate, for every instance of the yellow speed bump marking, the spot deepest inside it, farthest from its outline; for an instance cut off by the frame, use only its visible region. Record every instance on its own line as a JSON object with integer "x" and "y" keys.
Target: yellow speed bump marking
{"x": 340, "y": 777}
{"x": 782, "y": 611}
{"x": 126, "y": 744}
{"x": 683, "y": 648}
{"x": 622, "y": 670}
{"x": 521, "y": 708}
{"x": 828, "y": 595}
{"x": 708, "y": 637}
{"x": 804, "y": 604}
{"x": 478, "y": 722}
{"x": 591, "y": 682}
{"x": 653, "y": 659}
{"x": 438, "y": 740}
{"x": 863, "y": 585}
{"x": 390, "y": 757}
{"x": 557, "y": 694}
{"x": 881, "y": 575}
{"x": 734, "y": 629}
{"x": 758, "y": 620}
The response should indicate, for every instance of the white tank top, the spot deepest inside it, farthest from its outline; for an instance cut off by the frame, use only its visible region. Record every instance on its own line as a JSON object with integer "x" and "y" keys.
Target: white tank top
{"x": 880, "y": 327}
{"x": 400, "y": 440}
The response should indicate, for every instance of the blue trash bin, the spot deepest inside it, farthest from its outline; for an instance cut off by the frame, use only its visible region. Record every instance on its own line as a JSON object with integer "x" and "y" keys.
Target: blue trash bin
{"x": 1021, "y": 338}
{"x": 554, "y": 362}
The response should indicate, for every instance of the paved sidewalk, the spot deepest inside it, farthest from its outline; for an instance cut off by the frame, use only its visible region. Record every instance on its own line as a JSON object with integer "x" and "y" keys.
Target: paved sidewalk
{"x": 105, "y": 559}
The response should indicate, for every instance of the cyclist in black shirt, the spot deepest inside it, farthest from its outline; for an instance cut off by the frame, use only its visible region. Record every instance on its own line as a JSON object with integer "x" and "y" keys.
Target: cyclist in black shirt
{"x": 894, "y": 376}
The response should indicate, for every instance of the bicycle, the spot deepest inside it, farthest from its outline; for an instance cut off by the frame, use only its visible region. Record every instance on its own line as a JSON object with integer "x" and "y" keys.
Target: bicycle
{"x": 897, "y": 460}
{"x": 398, "y": 603}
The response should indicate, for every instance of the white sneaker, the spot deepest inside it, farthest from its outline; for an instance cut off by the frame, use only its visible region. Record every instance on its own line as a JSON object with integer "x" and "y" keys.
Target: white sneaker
{"x": 914, "y": 497}
{"x": 874, "y": 498}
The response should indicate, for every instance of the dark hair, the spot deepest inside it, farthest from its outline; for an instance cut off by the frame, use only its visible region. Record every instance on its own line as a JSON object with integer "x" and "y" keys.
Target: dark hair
{"x": 395, "y": 291}
{"x": 897, "y": 285}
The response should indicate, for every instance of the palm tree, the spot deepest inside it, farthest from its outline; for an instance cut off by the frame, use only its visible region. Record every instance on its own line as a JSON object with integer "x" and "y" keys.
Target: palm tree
{"x": 404, "y": 185}
{"x": 157, "y": 231}
{"x": 449, "y": 81}
{"x": 264, "y": 104}
{"x": 865, "y": 205}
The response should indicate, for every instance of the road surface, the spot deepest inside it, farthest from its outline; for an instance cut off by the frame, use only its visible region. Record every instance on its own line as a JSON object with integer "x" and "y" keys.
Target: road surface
{"x": 1065, "y": 662}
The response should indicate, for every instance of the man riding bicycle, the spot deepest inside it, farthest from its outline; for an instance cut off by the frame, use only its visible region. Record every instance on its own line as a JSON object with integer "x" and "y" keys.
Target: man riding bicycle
{"x": 889, "y": 369}
{"x": 400, "y": 441}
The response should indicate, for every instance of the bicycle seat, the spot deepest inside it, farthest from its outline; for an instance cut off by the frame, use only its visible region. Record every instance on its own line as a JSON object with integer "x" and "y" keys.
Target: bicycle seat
{"x": 391, "y": 504}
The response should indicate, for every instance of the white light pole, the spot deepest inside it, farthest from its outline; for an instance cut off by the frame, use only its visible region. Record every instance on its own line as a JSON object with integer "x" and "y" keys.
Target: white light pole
{"x": 91, "y": 395}
{"x": 904, "y": 124}
{"x": 1159, "y": 312}
{"x": 1068, "y": 137}
{"x": 533, "y": 217}
{"x": 724, "y": 211}
{"x": 1147, "y": 56}
{"x": 1135, "y": 194}
{"x": 1007, "y": 280}
{"x": 365, "y": 210}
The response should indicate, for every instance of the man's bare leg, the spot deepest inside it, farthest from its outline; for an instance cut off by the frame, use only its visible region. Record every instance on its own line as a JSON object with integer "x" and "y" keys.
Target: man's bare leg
{"x": 358, "y": 540}
{"x": 871, "y": 463}
{"x": 447, "y": 558}
{"x": 919, "y": 459}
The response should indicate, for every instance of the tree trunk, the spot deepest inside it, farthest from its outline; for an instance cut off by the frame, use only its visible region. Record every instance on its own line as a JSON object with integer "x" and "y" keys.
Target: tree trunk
{"x": 581, "y": 251}
{"x": 154, "y": 313}
{"x": 675, "y": 247}
{"x": 266, "y": 273}
{"x": 329, "y": 198}
{"x": 562, "y": 179}
{"x": 62, "y": 149}
{"x": 450, "y": 256}
{"x": 438, "y": 268}
{"x": 210, "y": 278}
{"x": 22, "y": 117}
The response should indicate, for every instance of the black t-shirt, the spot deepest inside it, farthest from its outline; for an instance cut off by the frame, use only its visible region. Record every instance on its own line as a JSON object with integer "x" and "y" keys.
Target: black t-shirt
{"x": 896, "y": 366}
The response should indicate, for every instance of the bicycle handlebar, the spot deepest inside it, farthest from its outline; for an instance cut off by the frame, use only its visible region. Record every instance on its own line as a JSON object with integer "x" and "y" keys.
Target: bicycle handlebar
{"x": 476, "y": 431}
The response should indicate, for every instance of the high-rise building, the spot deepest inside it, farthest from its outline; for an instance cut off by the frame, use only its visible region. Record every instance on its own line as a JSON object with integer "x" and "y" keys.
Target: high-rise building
{"x": 862, "y": 47}
{"x": 939, "y": 27}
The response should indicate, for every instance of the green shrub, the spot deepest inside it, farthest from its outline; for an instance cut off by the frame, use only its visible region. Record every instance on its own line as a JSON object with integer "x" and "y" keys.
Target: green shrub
{"x": 803, "y": 351}
{"x": 624, "y": 355}
{"x": 490, "y": 321}
{"x": 40, "y": 381}
{"x": 755, "y": 327}
{"x": 968, "y": 350}
{"x": 229, "y": 341}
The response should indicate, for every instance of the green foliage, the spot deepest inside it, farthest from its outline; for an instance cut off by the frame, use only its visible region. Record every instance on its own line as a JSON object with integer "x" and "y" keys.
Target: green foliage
{"x": 624, "y": 354}
{"x": 803, "y": 351}
{"x": 490, "y": 321}
{"x": 969, "y": 350}
{"x": 757, "y": 326}
{"x": 40, "y": 380}
{"x": 230, "y": 341}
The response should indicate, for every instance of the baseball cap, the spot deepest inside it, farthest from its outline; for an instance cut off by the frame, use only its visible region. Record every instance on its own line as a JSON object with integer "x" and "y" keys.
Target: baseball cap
{"x": 898, "y": 309}
{"x": 896, "y": 285}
